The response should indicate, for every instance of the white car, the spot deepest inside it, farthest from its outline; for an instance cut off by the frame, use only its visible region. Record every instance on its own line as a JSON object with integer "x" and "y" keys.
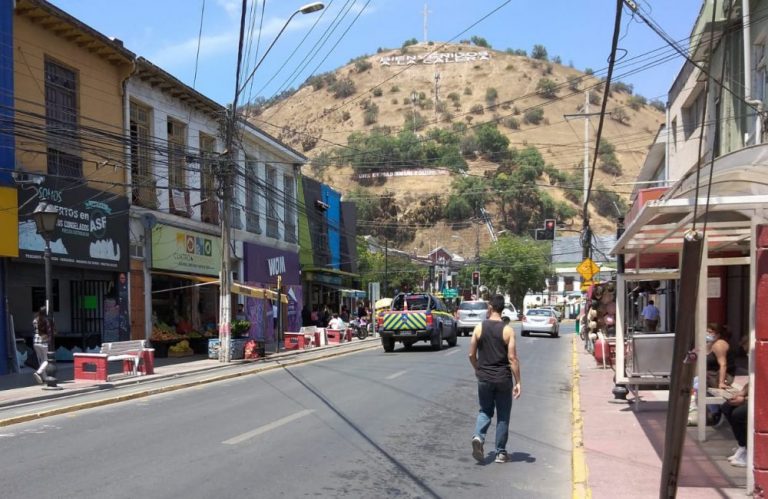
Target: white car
{"x": 509, "y": 314}
{"x": 540, "y": 320}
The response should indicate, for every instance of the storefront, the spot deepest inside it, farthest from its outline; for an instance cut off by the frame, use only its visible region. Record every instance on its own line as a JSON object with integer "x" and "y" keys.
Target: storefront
{"x": 185, "y": 271}
{"x": 262, "y": 266}
{"x": 90, "y": 267}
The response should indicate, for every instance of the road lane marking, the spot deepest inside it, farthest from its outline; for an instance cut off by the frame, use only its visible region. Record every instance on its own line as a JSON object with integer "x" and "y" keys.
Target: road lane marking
{"x": 396, "y": 375}
{"x": 451, "y": 352}
{"x": 267, "y": 427}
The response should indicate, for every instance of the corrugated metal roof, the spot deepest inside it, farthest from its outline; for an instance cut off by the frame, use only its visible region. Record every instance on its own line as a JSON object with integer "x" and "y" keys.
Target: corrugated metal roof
{"x": 569, "y": 250}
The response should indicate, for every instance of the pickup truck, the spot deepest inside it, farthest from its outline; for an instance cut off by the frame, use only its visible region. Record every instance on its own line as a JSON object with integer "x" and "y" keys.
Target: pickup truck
{"x": 417, "y": 317}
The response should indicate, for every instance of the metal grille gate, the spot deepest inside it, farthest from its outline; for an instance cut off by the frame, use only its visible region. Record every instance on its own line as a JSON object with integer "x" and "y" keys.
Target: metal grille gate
{"x": 88, "y": 310}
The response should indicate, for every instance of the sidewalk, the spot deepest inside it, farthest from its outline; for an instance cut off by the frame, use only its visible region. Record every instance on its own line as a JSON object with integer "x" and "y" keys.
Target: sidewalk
{"x": 20, "y": 389}
{"x": 624, "y": 448}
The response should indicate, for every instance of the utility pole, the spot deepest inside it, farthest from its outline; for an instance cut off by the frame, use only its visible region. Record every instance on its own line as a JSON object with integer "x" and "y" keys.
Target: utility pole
{"x": 587, "y": 242}
{"x": 226, "y": 170}
{"x": 426, "y": 15}
{"x": 386, "y": 269}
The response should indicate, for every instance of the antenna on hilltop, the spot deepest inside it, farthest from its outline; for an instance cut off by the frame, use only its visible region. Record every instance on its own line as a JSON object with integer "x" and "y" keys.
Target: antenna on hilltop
{"x": 426, "y": 16}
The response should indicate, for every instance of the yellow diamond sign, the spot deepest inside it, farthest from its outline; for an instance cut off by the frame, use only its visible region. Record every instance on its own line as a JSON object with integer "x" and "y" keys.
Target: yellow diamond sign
{"x": 587, "y": 269}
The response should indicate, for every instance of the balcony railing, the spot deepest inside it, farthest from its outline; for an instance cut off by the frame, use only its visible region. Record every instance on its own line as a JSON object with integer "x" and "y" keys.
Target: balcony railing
{"x": 144, "y": 193}
{"x": 209, "y": 211}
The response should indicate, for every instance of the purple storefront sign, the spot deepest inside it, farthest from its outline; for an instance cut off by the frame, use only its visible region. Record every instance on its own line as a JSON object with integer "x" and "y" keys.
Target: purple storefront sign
{"x": 262, "y": 265}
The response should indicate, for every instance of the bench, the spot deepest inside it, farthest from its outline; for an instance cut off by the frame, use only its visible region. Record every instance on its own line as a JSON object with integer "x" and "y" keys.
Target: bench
{"x": 132, "y": 354}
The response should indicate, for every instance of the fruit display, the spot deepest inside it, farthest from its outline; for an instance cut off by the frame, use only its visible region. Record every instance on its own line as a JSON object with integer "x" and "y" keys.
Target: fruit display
{"x": 180, "y": 349}
{"x": 164, "y": 332}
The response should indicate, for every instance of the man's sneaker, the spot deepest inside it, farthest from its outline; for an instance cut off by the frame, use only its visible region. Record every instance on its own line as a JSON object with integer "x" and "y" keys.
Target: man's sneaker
{"x": 502, "y": 457}
{"x": 38, "y": 378}
{"x": 477, "y": 450}
{"x": 740, "y": 461}
{"x": 741, "y": 453}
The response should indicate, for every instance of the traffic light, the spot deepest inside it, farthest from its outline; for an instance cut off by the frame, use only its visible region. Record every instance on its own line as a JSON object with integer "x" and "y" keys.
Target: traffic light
{"x": 475, "y": 278}
{"x": 548, "y": 234}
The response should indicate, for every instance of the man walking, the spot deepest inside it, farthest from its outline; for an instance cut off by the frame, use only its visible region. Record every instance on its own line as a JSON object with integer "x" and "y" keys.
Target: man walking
{"x": 493, "y": 355}
{"x": 651, "y": 316}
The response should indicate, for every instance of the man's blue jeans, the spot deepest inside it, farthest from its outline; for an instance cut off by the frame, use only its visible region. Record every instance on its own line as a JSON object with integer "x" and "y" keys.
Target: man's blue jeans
{"x": 499, "y": 396}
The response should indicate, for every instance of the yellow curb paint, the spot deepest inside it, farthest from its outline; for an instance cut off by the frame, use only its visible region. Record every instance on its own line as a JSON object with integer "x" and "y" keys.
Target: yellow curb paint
{"x": 24, "y": 418}
{"x": 579, "y": 472}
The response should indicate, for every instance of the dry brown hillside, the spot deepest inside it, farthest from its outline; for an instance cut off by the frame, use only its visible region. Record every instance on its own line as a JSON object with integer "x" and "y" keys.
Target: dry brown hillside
{"x": 313, "y": 120}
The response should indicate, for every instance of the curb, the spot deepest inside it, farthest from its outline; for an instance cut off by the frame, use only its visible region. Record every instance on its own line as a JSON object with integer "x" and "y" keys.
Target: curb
{"x": 579, "y": 471}
{"x": 275, "y": 364}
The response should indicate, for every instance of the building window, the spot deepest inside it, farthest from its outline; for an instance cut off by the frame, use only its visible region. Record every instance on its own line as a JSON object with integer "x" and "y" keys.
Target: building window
{"x": 272, "y": 221}
{"x": 61, "y": 116}
{"x": 692, "y": 114}
{"x": 289, "y": 205}
{"x": 143, "y": 182}
{"x": 177, "y": 135}
{"x": 252, "y": 223}
{"x": 568, "y": 283}
{"x": 208, "y": 200}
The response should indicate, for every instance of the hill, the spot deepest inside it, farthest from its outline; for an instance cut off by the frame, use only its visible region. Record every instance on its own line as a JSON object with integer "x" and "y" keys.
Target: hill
{"x": 459, "y": 88}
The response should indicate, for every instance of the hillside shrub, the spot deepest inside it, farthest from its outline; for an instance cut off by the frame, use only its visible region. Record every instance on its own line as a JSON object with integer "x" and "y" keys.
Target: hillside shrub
{"x": 409, "y": 42}
{"x": 467, "y": 90}
{"x": 362, "y": 65}
{"x": 377, "y": 92}
{"x": 371, "y": 114}
{"x": 455, "y": 97}
{"x": 480, "y": 41}
{"x": 441, "y": 106}
{"x": 511, "y": 123}
{"x": 658, "y": 105}
{"x": 573, "y": 83}
{"x": 608, "y": 203}
{"x": 589, "y": 71}
{"x": 477, "y": 109}
{"x": 447, "y": 117}
{"x": 620, "y": 86}
{"x": 394, "y": 89}
{"x": 636, "y": 102}
{"x": 594, "y": 98}
{"x": 457, "y": 209}
{"x": 345, "y": 115}
{"x": 609, "y": 163}
{"x": 557, "y": 60}
{"x": 539, "y": 52}
{"x": 459, "y": 127}
{"x": 548, "y": 69}
{"x": 491, "y": 143}
{"x": 343, "y": 88}
{"x": 534, "y": 116}
{"x": 491, "y": 95}
{"x": 394, "y": 101}
{"x": 414, "y": 121}
{"x": 468, "y": 146}
{"x": 546, "y": 88}
{"x": 619, "y": 115}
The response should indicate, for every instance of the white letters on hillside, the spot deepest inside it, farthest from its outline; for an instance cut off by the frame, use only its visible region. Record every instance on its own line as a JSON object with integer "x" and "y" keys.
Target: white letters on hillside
{"x": 436, "y": 58}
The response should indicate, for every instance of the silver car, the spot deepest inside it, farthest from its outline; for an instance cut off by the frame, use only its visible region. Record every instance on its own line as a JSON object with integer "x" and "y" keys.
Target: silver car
{"x": 541, "y": 320}
{"x": 470, "y": 314}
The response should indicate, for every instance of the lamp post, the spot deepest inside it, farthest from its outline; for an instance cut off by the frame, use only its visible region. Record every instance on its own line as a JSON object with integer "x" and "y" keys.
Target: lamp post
{"x": 46, "y": 215}
{"x": 225, "y": 173}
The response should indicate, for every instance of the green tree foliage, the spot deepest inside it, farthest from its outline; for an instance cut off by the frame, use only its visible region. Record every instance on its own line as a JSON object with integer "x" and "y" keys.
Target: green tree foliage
{"x": 491, "y": 143}
{"x": 511, "y": 123}
{"x": 620, "y": 115}
{"x": 480, "y": 41}
{"x": 636, "y": 102}
{"x": 609, "y": 163}
{"x": 343, "y": 88}
{"x": 539, "y": 52}
{"x": 589, "y": 71}
{"x": 620, "y": 86}
{"x": 399, "y": 271}
{"x": 607, "y": 203}
{"x": 362, "y": 64}
{"x": 477, "y": 109}
{"x": 409, "y": 42}
{"x": 534, "y": 116}
{"x": 557, "y": 59}
{"x": 514, "y": 265}
{"x": 573, "y": 83}
{"x": 370, "y": 114}
{"x": 473, "y": 190}
{"x": 457, "y": 209}
{"x": 414, "y": 121}
{"x": 377, "y": 92}
{"x": 491, "y": 94}
{"x": 546, "y": 88}
{"x": 658, "y": 105}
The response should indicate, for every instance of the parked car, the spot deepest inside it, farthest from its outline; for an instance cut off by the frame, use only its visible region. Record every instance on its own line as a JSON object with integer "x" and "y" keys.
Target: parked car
{"x": 470, "y": 314}
{"x": 509, "y": 313}
{"x": 557, "y": 313}
{"x": 541, "y": 320}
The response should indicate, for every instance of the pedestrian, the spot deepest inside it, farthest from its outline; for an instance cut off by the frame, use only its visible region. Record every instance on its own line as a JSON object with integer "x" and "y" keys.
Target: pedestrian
{"x": 735, "y": 411}
{"x": 240, "y": 316}
{"x": 493, "y": 356}
{"x": 43, "y": 329}
{"x": 651, "y": 316}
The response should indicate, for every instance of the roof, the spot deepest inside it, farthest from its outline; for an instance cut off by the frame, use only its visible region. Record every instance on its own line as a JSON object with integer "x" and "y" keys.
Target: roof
{"x": 569, "y": 249}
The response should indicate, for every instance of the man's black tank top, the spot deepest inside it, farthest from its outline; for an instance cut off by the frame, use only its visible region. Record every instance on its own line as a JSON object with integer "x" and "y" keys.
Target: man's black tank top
{"x": 492, "y": 359}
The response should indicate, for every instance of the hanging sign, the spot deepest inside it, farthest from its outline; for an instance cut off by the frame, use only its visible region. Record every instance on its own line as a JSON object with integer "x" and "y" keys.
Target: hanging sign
{"x": 184, "y": 250}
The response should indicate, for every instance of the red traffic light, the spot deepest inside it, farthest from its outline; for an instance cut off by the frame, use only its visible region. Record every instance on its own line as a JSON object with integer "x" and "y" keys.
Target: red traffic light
{"x": 475, "y": 278}
{"x": 549, "y": 224}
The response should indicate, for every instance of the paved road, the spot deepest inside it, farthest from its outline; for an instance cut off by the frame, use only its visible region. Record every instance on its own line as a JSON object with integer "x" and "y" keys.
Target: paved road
{"x": 364, "y": 425}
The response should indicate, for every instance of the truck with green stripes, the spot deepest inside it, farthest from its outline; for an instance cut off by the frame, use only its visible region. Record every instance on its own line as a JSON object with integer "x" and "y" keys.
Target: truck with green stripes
{"x": 417, "y": 317}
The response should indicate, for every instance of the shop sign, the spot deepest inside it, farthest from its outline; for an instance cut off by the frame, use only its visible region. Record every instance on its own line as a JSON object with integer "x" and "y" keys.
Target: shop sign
{"x": 92, "y": 228}
{"x": 182, "y": 250}
{"x": 263, "y": 264}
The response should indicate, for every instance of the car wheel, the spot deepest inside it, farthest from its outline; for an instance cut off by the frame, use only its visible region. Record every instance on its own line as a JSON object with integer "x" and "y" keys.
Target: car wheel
{"x": 524, "y": 333}
{"x": 388, "y": 344}
{"x": 408, "y": 345}
{"x": 452, "y": 340}
{"x": 437, "y": 343}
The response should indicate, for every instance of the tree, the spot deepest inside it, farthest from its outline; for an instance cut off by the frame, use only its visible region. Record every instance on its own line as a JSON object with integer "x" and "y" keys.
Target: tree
{"x": 609, "y": 163}
{"x": 539, "y": 52}
{"x": 457, "y": 209}
{"x": 534, "y": 116}
{"x": 480, "y": 41}
{"x": 491, "y": 143}
{"x": 514, "y": 264}
{"x": 546, "y": 88}
{"x": 473, "y": 190}
{"x": 398, "y": 270}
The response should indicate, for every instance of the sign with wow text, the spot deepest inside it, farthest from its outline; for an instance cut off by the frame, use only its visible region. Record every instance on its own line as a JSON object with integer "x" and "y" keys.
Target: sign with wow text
{"x": 184, "y": 250}
{"x": 435, "y": 58}
{"x": 91, "y": 231}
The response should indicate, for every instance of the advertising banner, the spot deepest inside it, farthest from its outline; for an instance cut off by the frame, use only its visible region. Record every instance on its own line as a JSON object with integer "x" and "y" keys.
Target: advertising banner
{"x": 182, "y": 250}
{"x": 91, "y": 231}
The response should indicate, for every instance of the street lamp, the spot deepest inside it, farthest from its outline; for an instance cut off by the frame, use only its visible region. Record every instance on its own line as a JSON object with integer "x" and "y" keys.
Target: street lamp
{"x": 225, "y": 296}
{"x": 46, "y": 216}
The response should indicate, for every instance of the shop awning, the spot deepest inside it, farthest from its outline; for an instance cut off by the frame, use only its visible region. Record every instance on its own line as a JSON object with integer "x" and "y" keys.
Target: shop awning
{"x": 188, "y": 277}
{"x": 353, "y": 293}
{"x": 260, "y": 293}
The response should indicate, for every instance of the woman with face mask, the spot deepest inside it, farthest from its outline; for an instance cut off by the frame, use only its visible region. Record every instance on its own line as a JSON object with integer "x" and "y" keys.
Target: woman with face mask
{"x": 721, "y": 362}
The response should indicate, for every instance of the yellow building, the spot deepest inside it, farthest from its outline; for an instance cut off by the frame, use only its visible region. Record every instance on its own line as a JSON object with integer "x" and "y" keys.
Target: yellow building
{"x": 70, "y": 121}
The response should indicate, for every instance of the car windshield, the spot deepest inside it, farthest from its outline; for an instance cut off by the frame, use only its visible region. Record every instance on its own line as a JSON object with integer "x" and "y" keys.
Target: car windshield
{"x": 473, "y": 305}
{"x": 539, "y": 311}
{"x": 415, "y": 302}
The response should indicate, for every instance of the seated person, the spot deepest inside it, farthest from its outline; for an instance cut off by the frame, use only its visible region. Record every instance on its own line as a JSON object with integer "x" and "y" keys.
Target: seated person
{"x": 735, "y": 412}
{"x": 336, "y": 323}
{"x": 721, "y": 362}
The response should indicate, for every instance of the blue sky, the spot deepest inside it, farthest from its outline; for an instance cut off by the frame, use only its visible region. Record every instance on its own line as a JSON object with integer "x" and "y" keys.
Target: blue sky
{"x": 166, "y": 32}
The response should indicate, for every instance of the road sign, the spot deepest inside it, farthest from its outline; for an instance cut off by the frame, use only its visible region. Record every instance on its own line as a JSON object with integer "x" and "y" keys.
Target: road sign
{"x": 586, "y": 284}
{"x": 587, "y": 269}
{"x": 450, "y": 293}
